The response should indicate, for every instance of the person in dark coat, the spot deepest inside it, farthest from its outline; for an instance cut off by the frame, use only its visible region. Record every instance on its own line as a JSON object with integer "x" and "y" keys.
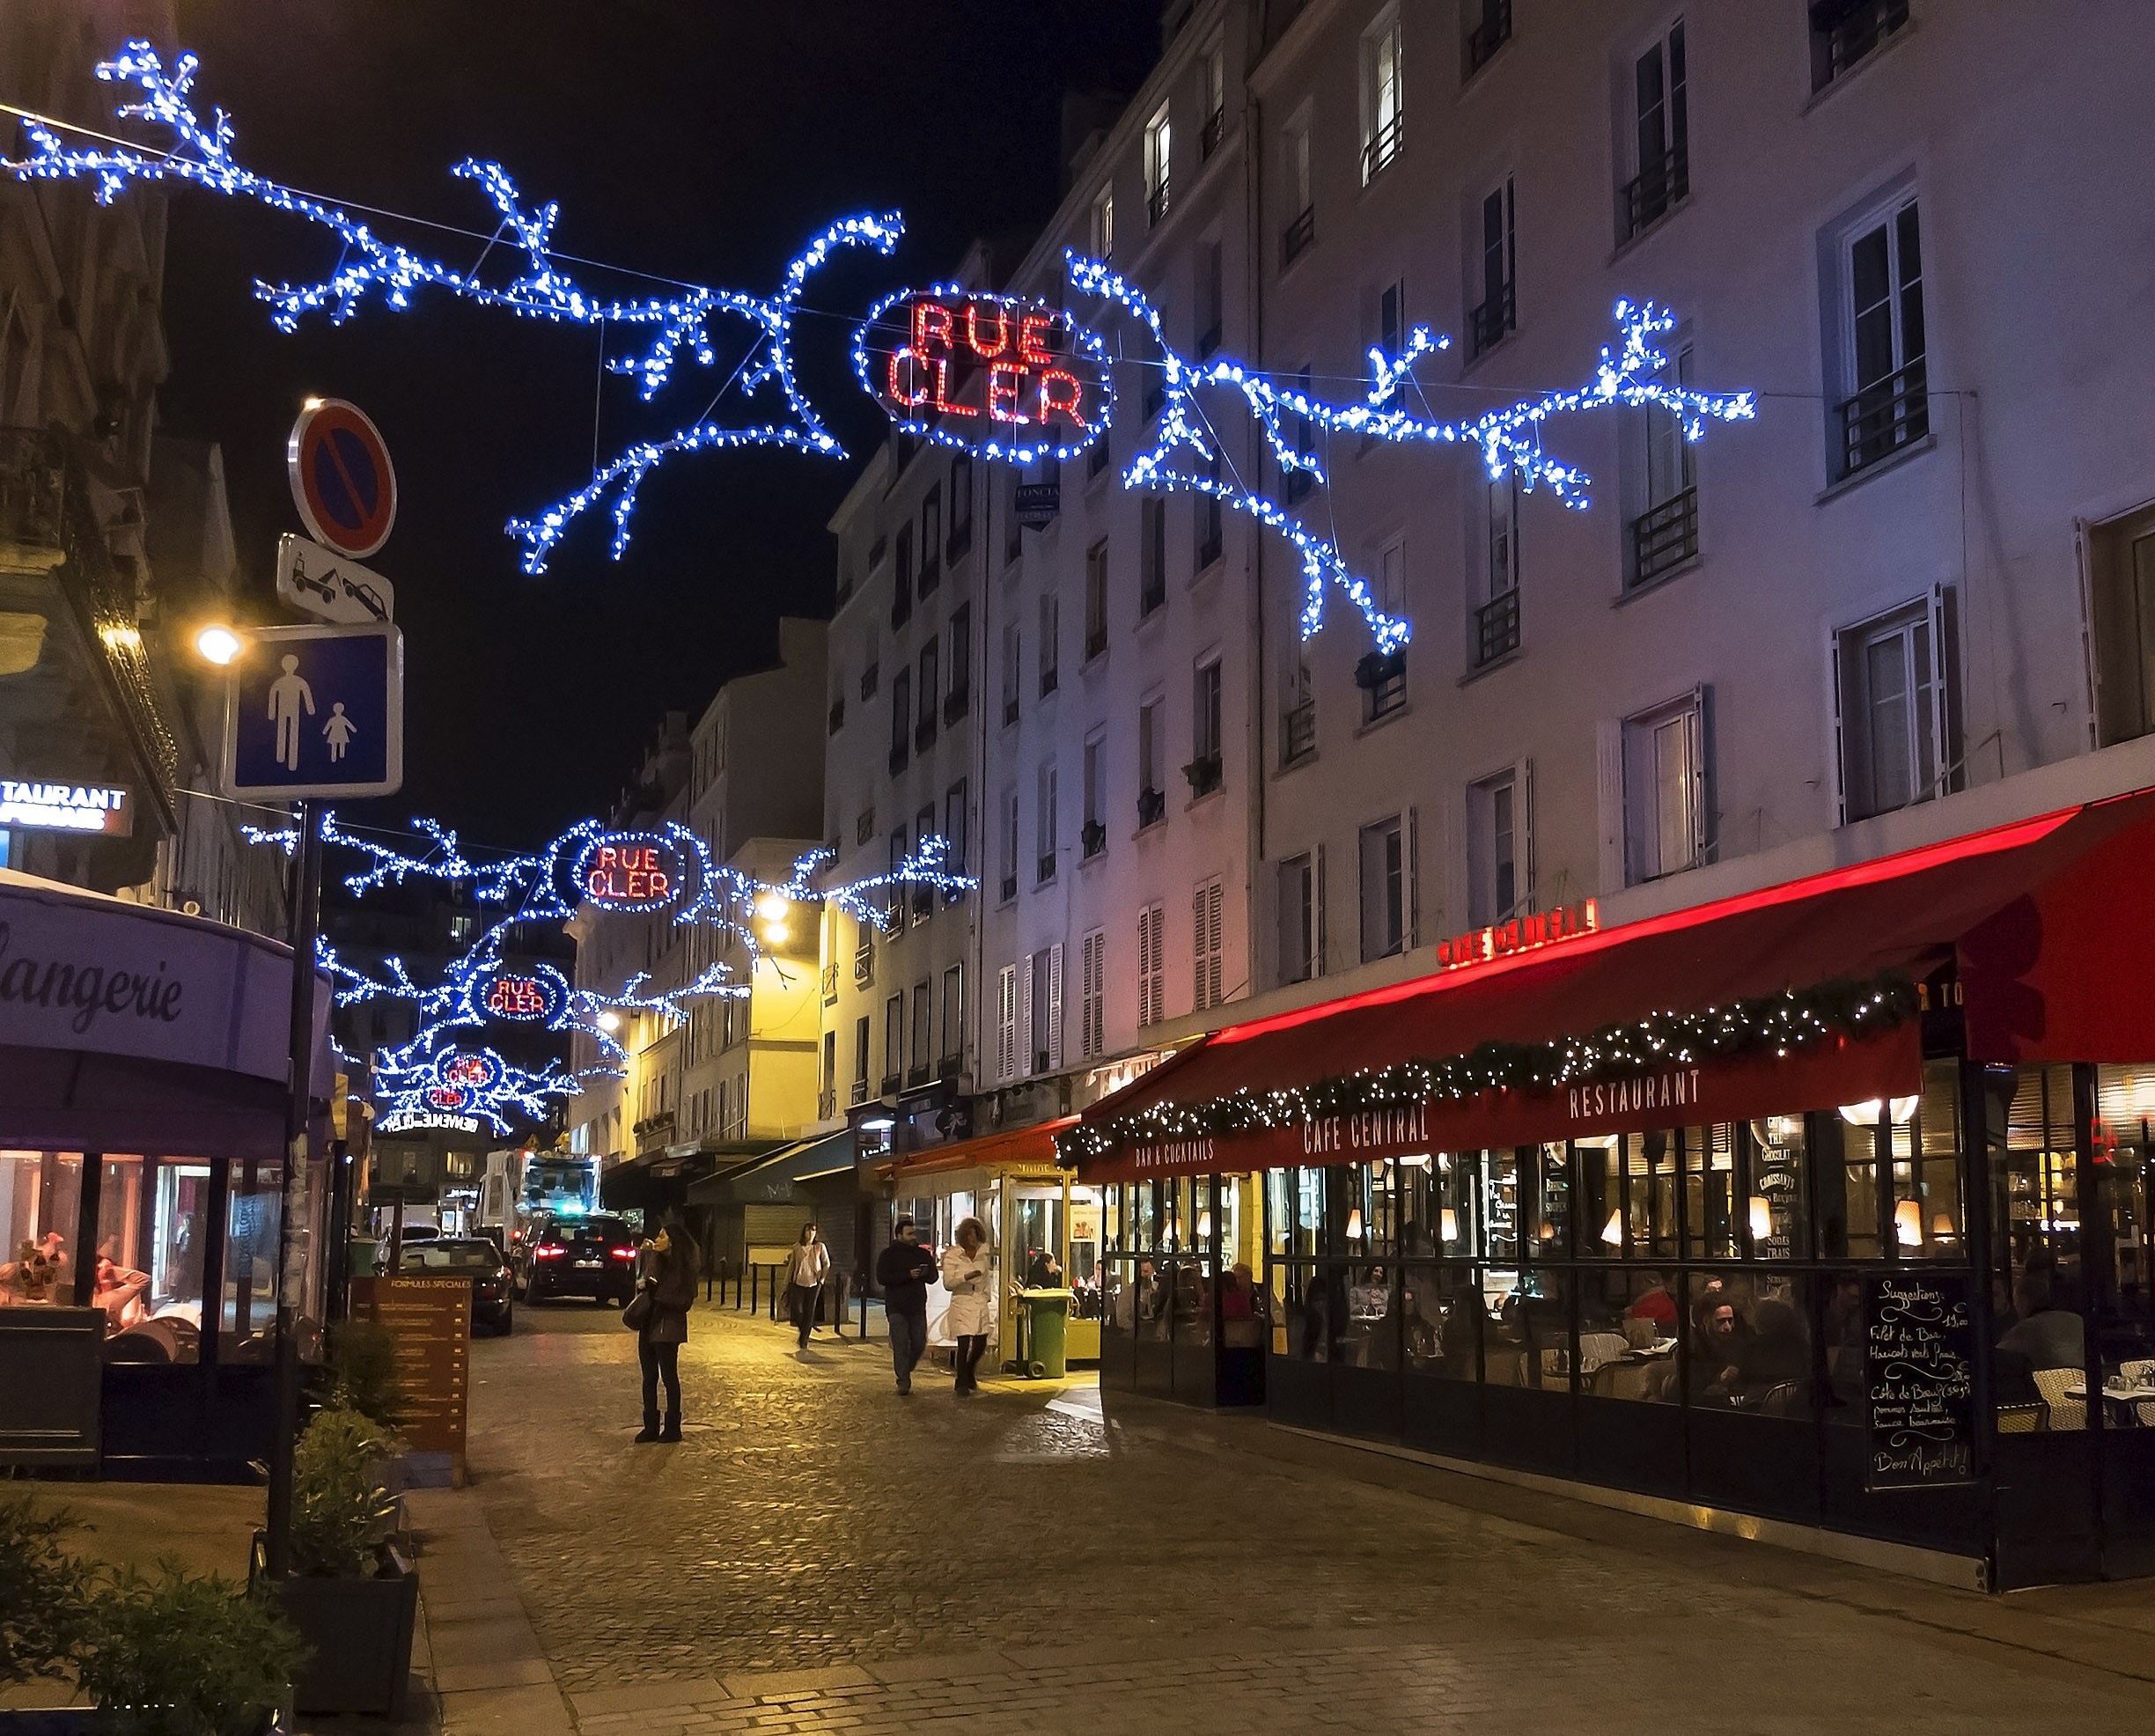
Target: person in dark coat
{"x": 668, "y": 1262}
{"x": 902, "y": 1273}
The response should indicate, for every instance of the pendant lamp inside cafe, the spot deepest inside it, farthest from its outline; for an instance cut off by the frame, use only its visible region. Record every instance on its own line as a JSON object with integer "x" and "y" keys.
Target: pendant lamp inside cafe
{"x": 1821, "y": 1209}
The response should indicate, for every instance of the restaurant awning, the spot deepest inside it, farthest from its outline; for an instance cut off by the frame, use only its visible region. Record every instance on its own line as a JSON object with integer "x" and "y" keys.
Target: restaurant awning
{"x": 2047, "y": 926}
{"x": 662, "y": 1179}
{"x": 772, "y": 1175}
{"x": 1023, "y": 1147}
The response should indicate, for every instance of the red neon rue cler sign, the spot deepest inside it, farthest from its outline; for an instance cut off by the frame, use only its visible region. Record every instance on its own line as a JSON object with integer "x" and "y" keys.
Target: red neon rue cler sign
{"x": 516, "y": 997}
{"x": 628, "y": 874}
{"x": 1014, "y": 372}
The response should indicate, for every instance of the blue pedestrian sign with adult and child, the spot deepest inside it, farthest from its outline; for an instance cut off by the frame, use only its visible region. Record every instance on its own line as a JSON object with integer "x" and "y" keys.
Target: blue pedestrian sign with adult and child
{"x": 316, "y": 711}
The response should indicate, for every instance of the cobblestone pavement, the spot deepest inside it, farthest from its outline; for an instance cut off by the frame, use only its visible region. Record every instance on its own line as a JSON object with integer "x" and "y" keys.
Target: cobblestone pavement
{"x": 820, "y": 1555}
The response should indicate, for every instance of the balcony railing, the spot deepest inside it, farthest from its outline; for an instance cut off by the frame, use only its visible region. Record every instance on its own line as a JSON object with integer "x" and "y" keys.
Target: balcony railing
{"x": 917, "y": 1075}
{"x": 1096, "y": 642}
{"x": 1044, "y": 870}
{"x": 1382, "y": 148}
{"x": 925, "y": 733}
{"x": 1494, "y": 317}
{"x": 891, "y": 1082}
{"x": 863, "y": 965}
{"x": 1497, "y": 629}
{"x": 1157, "y": 200}
{"x": 1884, "y": 418}
{"x": 1664, "y": 537}
{"x": 1152, "y": 808}
{"x": 1206, "y": 773}
{"x": 837, "y": 714}
{"x": 956, "y": 703}
{"x": 1093, "y": 838}
{"x": 900, "y": 755}
{"x": 1010, "y": 887}
{"x": 1298, "y": 733}
{"x": 1382, "y": 675}
{"x": 1845, "y": 32}
{"x": 1051, "y": 678}
{"x": 1658, "y": 185}
{"x": 830, "y": 982}
{"x": 827, "y": 1103}
{"x": 923, "y": 903}
{"x": 1490, "y": 34}
{"x": 858, "y": 1095}
{"x": 1209, "y": 135}
{"x": 863, "y": 828}
{"x": 1295, "y": 239}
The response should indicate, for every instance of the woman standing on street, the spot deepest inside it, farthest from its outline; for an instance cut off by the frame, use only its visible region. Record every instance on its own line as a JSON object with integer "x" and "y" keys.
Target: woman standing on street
{"x": 669, "y": 1277}
{"x": 966, "y": 1276}
{"x": 804, "y": 1282}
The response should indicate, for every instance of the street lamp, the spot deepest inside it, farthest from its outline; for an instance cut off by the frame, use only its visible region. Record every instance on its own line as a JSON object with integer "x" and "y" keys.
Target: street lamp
{"x": 609, "y": 1021}
{"x": 218, "y": 645}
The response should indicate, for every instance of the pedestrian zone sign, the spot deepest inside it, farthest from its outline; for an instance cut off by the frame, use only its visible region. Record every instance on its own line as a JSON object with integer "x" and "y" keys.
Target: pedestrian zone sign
{"x": 316, "y": 711}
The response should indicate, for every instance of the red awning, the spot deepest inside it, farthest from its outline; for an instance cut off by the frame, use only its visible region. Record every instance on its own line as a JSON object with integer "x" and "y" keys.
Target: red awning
{"x": 2050, "y": 921}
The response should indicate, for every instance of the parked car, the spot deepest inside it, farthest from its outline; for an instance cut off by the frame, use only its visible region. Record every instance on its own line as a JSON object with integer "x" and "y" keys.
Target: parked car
{"x": 578, "y": 1256}
{"x": 490, "y": 1276}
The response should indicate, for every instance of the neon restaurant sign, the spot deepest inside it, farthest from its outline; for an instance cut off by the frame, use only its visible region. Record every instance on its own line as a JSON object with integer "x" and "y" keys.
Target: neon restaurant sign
{"x": 67, "y": 807}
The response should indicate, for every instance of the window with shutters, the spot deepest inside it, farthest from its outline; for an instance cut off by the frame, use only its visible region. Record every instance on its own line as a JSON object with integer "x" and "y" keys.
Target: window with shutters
{"x": 1006, "y": 1023}
{"x": 1876, "y": 341}
{"x": 923, "y": 1035}
{"x": 1205, "y": 931}
{"x": 860, "y": 1059}
{"x": 1496, "y": 625}
{"x": 1381, "y": 108}
{"x": 1662, "y": 533}
{"x": 1050, "y": 643}
{"x": 1497, "y": 867}
{"x": 1495, "y": 273}
{"x": 1665, "y": 789}
{"x": 1044, "y": 1012}
{"x": 1298, "y": 919}
{"x": 955, "y": 834}
{"x": 950, "y": 1056}
{"x": 1009, "y": 841}
{"x": 1152, "y": 762}
{"x": 894, "y": 1043}
{"x": 1896, "y": 707}
{"x": 1044, "y": 825}
{"x": 1660, "y": 136}
{"x": 1384, "y": 905}
{"x": 1093, "y": 994}
{"x": 1151, "y": 966}
{"x": 1093, "y": 839}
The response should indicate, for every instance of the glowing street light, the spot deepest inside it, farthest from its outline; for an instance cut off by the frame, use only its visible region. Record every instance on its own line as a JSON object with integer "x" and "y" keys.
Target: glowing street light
{"x": 609, "y": 1021}
{"x": 772, "y": 907}
{"x": 218, "y": 645}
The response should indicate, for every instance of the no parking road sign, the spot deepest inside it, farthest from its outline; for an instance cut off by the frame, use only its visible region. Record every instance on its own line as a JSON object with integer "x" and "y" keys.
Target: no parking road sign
{"x": 341, "y": 481}
{"x": 316, "y": 711}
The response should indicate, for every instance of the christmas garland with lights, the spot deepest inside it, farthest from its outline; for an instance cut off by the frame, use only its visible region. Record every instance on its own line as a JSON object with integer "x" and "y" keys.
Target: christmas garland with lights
{"x": 1843, "y": 1010}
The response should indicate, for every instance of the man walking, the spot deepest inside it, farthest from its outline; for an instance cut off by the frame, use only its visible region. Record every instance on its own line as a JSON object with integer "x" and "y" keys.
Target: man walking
{"x": 903, "y": 1270}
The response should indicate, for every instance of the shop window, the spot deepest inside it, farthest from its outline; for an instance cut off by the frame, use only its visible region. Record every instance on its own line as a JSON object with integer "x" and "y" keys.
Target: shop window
{"x": 1899, "y": 1175}
{"x": 2040, "y": 1244}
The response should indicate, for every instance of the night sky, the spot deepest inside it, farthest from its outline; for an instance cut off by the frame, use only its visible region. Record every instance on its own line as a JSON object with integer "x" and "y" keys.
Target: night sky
{"x": 703, "y": 140}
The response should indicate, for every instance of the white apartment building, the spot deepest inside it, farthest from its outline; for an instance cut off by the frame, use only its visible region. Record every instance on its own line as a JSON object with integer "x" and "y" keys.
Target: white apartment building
{"x": 1903, "y": 602}
{"x": 904, "y": 723}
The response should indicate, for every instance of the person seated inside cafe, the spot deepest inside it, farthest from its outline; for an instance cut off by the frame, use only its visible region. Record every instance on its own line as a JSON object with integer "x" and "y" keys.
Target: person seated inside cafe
{"x": 1654, "y": 1304}
{"x": 1043, "y": 1271}
{"x": 120, "y": 1293}
{"x": 1715, "y": 1354}
{"x": 31, "y": 1279}
{"x": 2049, "y": 1334}
{"x": 1773, "y": 1361}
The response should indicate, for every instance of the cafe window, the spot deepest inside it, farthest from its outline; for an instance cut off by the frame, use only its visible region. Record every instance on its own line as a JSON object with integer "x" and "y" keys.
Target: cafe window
{"x": 1899, "y": 1175}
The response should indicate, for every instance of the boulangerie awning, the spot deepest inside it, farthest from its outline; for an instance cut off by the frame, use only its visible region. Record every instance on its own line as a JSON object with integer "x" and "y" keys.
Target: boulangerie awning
{"x": 2050, "y": 923}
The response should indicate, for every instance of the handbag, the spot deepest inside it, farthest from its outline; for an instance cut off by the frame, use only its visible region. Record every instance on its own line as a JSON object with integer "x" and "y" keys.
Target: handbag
{"x": 637, "y": 1314}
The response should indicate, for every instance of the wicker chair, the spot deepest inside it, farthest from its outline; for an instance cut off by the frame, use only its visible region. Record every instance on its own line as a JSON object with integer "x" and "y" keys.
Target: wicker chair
{"x": 2066, "y": 1413}
{"x": 2023, "y": 1419}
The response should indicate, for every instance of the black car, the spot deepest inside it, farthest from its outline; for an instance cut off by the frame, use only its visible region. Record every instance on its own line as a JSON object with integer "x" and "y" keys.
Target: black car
{"x": 490, "y": 1276}
{"x": 579, "y": 1256}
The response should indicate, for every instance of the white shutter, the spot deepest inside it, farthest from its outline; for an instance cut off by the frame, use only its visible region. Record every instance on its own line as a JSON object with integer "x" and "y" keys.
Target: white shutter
{"x": 1213, "y": 895}
{"x": 1006, "y": 1022}
{"x": 1609, "y": 796}
{"x": 1695, "y": 723}
{"x": 1197, "y": 950}
{"x": 1526, "y": 893}
{"x": 1091, "y": 985}
{"x": 1145, "y": 968}
{"x": 1159, "y": 962}
{"x": 1054, "y": 1007}
{"x": 1025, "y": 1017}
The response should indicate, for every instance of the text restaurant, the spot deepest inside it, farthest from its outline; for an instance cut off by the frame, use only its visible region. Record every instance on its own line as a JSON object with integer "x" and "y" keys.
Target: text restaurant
{"x": 1826, "y": 1205}
{"x": 144, "y": 1057}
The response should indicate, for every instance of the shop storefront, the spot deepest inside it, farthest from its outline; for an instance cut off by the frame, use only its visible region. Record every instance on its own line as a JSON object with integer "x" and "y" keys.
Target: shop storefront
{"x": 1825, "y": 1205}
{"x": 142, "y": 1064}
{"x": 1043, "y": 1228}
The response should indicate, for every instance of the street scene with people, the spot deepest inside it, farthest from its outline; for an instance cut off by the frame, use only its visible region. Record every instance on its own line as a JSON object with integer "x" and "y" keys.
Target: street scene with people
{"x": 941, "y": 865}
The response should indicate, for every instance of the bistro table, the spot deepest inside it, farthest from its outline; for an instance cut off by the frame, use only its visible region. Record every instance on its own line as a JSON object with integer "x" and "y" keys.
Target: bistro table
{"x": 2127, "y": 1400}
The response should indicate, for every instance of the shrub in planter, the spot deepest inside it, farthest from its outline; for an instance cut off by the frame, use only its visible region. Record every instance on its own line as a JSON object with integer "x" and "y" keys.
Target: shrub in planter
{"x": 362, "y": 1368}
{"x": 44, "y": 1593}
{"x": 180, "y": 1656}
{"x": 342, "y": 1513}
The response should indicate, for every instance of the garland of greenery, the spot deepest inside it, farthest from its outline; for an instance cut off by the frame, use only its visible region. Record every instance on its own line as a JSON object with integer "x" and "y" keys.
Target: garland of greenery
{"x": 1795, "y": 1019}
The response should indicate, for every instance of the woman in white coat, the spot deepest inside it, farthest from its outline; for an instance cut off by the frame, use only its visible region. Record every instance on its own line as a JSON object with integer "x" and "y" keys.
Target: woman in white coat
{"x": 966, "y": 1276}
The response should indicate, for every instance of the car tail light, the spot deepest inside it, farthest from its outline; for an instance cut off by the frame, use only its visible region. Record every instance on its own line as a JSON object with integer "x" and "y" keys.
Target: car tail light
{"x": 624, "y": 1253}
{"x": 549, "y": 1253}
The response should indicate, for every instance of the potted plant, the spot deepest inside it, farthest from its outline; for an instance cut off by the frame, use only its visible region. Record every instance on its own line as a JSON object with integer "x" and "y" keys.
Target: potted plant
{"x": 44, "y": 1594}
{"x": 352, "y": 1595}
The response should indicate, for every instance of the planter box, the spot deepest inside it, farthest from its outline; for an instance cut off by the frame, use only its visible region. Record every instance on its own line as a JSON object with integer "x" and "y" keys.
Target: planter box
{"x": 361, "y": 1633}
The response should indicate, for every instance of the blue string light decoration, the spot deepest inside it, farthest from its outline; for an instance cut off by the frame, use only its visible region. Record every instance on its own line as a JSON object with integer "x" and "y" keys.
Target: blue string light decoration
{"x": 422, "y": 1078}
{"x": 1184, "y": 454}
{"x": 678, "y": 324}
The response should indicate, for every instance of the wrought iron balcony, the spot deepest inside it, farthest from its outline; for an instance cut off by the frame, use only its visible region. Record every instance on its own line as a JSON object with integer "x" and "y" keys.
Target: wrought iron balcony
{"x": 1382, "y": 675}
{"x": 1044, "y": 870}
{"x": 1382, "y": 148}
{"x": 864, "y": 964}
{"x": 1494, "y": 317}
{"x": 1093, "y": 838}
{"x": 1209, "y": 135}
{"x": 901, "y": 605}
{"x": 900, "y": 755}
{"x": 1206, "y": 773}
{"x": 891, "y": 1082}
{"x": 1010, "y": 887}
{"x": 917, "y": 1075}
{"x": 1648, "y": 196}
{"x": 924, "y": 731}
{"x": 1664, "y": 537}
{"x": 868, "y": 680}
{"x": 956, "y": 703}
{"x": 1497, "y": 628}
{"x": 1096, "y": 642}
{"x": 1298, "y": 733}
{"x": 1157, "y": 200}
{"x": 1490, "y": 34}
{"x": 830, "y": 984}
{"x": 858, "y": 1095}
{"x": 1051, "y": 678}
{"x": 1296, "y": 239}
{"x": 1884, "y": 418}
{"x": 1152, "y": 808}
{"x": 1844, "y": 33}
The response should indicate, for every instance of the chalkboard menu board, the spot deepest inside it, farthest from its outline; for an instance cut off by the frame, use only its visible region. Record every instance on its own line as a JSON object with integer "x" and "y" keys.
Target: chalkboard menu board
{"x": 428, "y": 1321}
{"x": 1919, "y": 1380}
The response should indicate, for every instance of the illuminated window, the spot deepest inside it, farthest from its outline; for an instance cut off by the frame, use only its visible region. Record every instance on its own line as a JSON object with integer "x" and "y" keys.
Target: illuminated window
{"x": 1159, "y": 163}
{"x": 1103, "y": 224}
{"x": 1381, "y": 115}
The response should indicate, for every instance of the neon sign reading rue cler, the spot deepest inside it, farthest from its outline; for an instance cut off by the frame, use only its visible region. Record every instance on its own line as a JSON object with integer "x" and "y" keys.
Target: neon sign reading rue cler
{"x": 999, "y": 375}
{"x": 628, "y": 871}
